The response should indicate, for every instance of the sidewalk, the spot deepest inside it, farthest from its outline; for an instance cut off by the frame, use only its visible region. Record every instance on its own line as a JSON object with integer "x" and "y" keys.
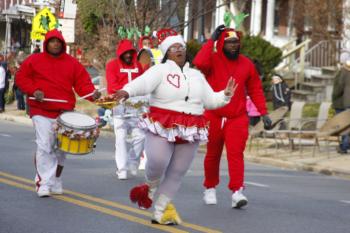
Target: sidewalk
{"x": 330, "y": 163}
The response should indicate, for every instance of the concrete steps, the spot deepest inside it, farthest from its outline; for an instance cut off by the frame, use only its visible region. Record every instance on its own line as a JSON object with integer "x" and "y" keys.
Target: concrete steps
{"x": 318, "y": 88}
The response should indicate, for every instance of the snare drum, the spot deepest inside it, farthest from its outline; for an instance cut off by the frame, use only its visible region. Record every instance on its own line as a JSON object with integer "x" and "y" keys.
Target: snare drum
{"x": 76, "y": 133}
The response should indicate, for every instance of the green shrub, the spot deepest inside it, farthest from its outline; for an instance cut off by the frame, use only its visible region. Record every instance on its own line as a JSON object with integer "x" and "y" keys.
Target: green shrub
{"x": 9, "y": 96}
{"x": 192, "y": 46}
{"x": 269, "y": 56}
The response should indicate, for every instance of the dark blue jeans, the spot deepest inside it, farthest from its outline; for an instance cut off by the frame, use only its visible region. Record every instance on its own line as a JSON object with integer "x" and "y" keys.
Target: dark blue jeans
{"x": 2, "y": 99}
{"x": 101, "y": 113}
{"x": 20, "y": 100}
{"x": 344, "y": 144}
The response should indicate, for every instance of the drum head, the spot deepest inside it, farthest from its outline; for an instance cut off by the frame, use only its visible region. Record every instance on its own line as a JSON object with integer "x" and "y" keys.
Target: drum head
{"x": 77, "y": 120}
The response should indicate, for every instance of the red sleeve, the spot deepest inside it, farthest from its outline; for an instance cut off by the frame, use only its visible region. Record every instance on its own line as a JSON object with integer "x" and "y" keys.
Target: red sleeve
{"x": 82, "y": 81}
{"x": 24, "y": 79}
{"x": 204, "y": 58}
{"x": 113, "y": 81}
{"x": 255, "y": 90}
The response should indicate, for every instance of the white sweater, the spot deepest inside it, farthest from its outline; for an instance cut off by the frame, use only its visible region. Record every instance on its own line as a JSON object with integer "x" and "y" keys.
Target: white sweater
{"x": 2, "y": 77}
{"x": 171, "y": 88}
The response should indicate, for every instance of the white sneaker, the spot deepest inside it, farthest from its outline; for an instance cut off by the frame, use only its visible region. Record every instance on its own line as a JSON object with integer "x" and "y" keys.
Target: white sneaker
{"x": 56, "y": 188}
{"x": 43, "y": 191}
{"x": 238, "y": 199}
{"x": 210, "y": 196}
{"x": 133, "y": 170}
{"x": 142, "y": 165}
{"x": 122, "y": 175}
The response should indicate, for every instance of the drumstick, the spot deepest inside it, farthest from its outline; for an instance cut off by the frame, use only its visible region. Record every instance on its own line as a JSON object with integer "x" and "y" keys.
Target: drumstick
{"x": 88, "y": 95}
{"x": 50, "y": 100}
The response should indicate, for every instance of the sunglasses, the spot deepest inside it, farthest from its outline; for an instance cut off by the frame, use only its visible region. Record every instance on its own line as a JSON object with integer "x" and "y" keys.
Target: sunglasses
{"x": 177, "y": 49}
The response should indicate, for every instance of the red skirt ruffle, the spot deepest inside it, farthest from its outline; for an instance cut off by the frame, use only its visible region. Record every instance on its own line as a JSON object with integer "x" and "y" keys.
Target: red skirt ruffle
{"x": 175, "y": 125}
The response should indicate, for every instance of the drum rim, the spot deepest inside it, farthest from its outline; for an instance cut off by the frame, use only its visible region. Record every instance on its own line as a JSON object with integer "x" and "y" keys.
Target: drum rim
{"x": 70, "y": 126}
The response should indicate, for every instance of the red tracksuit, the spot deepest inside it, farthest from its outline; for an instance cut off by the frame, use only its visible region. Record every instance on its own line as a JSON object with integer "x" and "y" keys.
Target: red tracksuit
{"x": 229, "y": 124}
{"x": 56, "y": 77}
{"x": 116, "y": 79}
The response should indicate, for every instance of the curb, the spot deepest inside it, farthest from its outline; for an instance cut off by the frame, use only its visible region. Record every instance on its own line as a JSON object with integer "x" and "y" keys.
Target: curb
{"x": 18, "y": 119}
{"x": 300, "y": 166}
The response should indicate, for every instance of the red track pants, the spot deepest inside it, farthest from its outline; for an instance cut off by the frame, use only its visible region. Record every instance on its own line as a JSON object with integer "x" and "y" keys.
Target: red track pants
{"x": 234, "y": 134}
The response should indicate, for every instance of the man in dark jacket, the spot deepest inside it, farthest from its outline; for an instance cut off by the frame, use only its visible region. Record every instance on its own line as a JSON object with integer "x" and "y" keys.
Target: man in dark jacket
{"x": 341, "y": 99}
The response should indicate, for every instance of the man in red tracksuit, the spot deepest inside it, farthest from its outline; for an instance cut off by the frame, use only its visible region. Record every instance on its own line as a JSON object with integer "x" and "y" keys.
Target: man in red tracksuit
{"x": 229, "y": 124}
{"x": 119, "y": 71}
{"x": 55, "y": 75}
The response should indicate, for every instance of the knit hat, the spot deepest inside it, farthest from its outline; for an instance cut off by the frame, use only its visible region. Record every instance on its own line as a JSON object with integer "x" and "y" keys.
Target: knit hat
{"x": 168, "y": 37}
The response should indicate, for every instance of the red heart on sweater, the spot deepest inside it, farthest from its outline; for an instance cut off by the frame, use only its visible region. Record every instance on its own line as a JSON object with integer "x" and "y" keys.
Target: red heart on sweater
{"x": 174, "y": 80}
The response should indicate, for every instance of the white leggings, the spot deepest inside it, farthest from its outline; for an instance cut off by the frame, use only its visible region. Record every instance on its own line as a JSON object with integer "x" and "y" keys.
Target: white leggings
{"x": 169, "y": 161}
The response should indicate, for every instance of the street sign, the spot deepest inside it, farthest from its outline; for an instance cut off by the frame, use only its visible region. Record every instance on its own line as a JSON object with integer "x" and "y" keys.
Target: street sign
{"x": 67, "y": 27}
{"x": 43, "y": 22}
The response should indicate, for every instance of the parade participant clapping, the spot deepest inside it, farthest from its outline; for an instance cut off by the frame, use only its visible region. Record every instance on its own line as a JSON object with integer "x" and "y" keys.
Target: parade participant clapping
{"x": 51, "y": 75}
{"x": 175, "y": 124}
{"x": 119, "y": 71}
{"x": 229, "y": 125}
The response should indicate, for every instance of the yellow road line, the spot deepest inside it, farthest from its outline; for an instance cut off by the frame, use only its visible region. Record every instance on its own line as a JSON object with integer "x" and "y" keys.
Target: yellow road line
{"x": 99, "y": 208}
{"x": 113, "y": 204}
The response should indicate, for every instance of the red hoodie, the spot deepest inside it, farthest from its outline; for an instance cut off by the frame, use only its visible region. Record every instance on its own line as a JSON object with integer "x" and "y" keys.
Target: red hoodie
{"x": 56, "y": 77}
{"x": 115, "y": 78}
{"x": 218, "y": 68}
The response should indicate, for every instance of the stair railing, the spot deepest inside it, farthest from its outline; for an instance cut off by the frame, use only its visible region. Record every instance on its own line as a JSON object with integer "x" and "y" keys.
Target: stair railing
{"x": 324, "y": 53}
{"x": 289, "y": 61}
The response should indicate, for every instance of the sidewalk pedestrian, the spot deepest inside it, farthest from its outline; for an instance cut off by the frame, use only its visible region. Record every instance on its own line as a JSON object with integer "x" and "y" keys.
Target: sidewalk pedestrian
{"x": 2, "y": 88}
{"x": 253, "y": 113}
{"x": 281, "y": 94}
{"x": 51, "y": 74}
{"x": 341, "y": 99}
{"x": 129, "y": 139}
{"x": 18, "y": 93}
{"x": 229, "y": 125}
{"x": 175, "y": 125}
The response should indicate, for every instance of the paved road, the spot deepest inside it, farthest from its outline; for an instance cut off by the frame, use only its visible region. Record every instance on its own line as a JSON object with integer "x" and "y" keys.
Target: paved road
{"x": 280, "y": 201}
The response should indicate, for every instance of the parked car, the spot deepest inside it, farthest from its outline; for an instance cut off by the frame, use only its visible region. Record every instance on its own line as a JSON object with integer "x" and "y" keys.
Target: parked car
{"x": 94, "y": 74}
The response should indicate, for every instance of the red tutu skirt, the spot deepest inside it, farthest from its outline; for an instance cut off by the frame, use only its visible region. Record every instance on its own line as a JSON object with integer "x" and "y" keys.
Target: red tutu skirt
{"x": 175, "y": 126}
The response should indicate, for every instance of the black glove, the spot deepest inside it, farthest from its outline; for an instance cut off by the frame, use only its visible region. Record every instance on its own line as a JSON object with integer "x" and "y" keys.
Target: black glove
{"x": 267, "y": 122}
{"x": 217, "y": 32}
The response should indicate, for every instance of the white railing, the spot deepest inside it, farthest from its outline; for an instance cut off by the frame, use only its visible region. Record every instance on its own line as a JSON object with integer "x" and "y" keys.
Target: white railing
{"x": 324, "y": 53}
{"x": 292, "y": 65}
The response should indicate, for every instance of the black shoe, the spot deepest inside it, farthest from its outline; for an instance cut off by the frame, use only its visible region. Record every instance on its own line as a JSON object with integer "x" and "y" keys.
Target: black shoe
{"x": 341, "y": 151}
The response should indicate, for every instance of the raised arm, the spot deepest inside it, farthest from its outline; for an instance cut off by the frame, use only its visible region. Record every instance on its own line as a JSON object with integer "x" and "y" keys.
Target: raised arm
{"x": 213, "y": 100}
{"x": 204, "y": 58}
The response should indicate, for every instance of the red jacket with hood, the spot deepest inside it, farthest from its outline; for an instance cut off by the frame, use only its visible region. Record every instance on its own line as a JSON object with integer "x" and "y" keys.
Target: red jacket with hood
{"x": 56, "y": 77}
{"x": 218, "y": 69}
{"x": 116, "y": 79}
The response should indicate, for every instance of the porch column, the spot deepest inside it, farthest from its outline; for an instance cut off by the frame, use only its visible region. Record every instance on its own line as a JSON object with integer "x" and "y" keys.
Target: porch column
{"x": 187, "y": 8}
{"x": 346, "y": 27}
{"x": 7, "y": 46}
{"x": 255, "y": 21}
{"x": 219, "y": 13}
{"x": 270, "y": 16}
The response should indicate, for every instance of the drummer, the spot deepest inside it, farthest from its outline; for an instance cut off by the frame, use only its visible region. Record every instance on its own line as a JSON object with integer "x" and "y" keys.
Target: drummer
{"x": 51, "y": 75}
{"x": 129, "y": 139}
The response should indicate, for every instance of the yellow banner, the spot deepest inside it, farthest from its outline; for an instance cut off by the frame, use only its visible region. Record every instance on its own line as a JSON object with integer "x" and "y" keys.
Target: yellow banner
{"x": 43, "y": 22}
